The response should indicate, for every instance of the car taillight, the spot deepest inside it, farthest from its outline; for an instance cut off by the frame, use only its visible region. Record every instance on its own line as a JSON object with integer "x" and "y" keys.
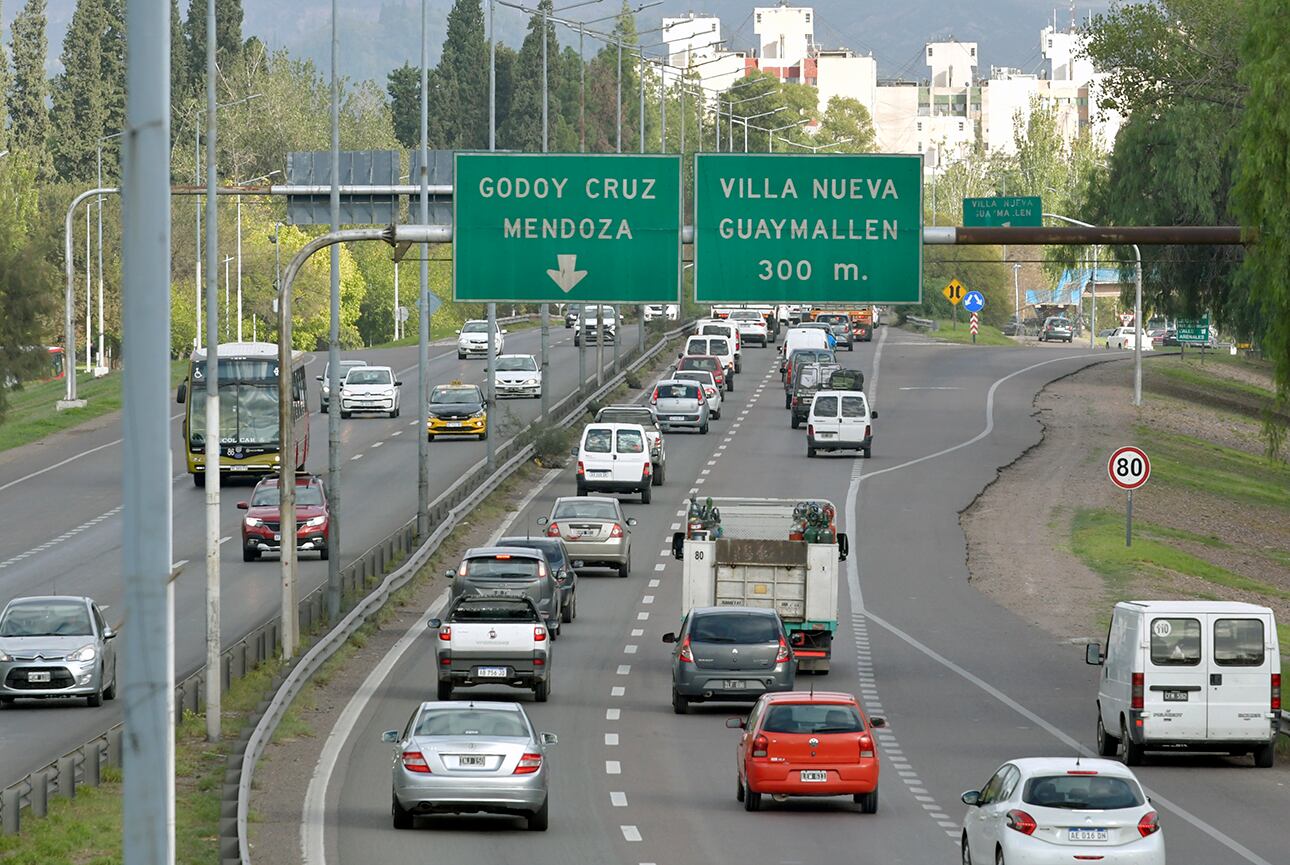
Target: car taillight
{"x": 581, "y": 469}
{"x": 1149, "y": 824}
{"x": 760, "y": 744}
{"x": 445, "y": 633}
{"x": 1276, "y": 692}
{"x": 539, "y": 634}
{"x": 701, "y": 400}
{"x": 616, "y": 531}
{"x": 553, "y": 530}
{"x": 1022, "y": 822}
{"x": 866, "y": 747}
{"x": 653, "y": 399}
{"x": 868, "y": 431}
{"x": 1139, "y": 683}
{"x": 794, "y": 401}
{"x": 783, "y": 654}
{"x": 528, "y": 764}
{"x": 685, "y": 654}
{"x": 414, "y": 762}
{"x": 810, "y": 429}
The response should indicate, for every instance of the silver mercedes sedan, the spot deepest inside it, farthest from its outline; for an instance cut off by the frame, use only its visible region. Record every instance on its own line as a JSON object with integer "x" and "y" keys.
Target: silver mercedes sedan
{"x": 56, "y": 646}
{"x": 459, "y": 757}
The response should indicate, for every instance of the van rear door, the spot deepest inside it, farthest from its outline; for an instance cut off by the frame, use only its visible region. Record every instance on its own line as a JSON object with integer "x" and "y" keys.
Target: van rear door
{"x": 1240, "y": 676}
{"x": 1176, "y": 676}
{"x": 854, "y": 420}
{"x": 631, "y": 454}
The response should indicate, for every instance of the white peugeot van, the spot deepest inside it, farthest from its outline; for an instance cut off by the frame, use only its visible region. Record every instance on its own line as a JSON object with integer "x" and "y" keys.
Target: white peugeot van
{"x": 614, "y": 458}
{"x": 715, "y": 346}
{"x": 840, "y": 420}
{"x": 1193, "y": 674}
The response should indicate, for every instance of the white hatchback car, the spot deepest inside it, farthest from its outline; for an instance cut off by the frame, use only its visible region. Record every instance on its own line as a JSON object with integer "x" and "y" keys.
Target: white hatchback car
{"x": 1124, "y": 337}
{"x": 517, "y": 375}
{"x": 370, "y": 389}
{"x": 472, "y": 339}
{"x": 1049, "y": 810}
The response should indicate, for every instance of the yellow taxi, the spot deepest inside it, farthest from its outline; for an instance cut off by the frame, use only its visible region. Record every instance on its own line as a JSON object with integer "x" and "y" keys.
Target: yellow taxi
{"x": 457, "y": 409}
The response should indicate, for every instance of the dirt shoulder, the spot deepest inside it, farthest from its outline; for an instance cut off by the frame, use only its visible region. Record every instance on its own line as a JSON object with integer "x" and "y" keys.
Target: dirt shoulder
{"x": 1046, "y": 539}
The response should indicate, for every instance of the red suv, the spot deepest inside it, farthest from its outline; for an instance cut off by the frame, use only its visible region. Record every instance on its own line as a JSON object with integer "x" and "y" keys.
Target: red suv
{"x": 799, "y": 743}
{"x": 261, "y": 528}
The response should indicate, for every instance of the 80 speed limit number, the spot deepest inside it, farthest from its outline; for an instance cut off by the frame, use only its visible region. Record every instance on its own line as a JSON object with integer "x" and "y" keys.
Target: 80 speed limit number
{"x": 1129, "y": 468}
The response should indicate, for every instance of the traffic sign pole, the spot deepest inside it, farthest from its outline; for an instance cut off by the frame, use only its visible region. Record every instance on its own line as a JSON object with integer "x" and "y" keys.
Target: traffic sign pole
{"x": 1128, "y": 521}
{"x": 1128, "y": 469}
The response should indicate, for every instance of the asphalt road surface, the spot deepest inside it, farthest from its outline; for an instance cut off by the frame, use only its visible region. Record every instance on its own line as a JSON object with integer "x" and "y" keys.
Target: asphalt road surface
{"x": 60, "y": 509}
{"x": 964, "y": 683}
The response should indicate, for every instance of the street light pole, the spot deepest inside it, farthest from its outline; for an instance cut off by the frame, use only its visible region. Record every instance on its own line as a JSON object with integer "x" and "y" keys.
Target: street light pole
{"x": 335, "y": 521}
{"x": 1016, "y": 294}
{"x": 423, "y": 296}
{"x": 214, "y": 666}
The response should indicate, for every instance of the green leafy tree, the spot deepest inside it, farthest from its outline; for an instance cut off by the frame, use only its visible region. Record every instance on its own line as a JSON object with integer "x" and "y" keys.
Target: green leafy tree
{"x": 461, "y": 106}
{"x": 4, "y": 89}
{"x": 79, "y": 114}
{"x": 522, "y": 129}
{"x": 28, "y": 278}
{"x": 847, "y": 122}
{"x": 404, "y": 88}
{"x": 28, "y": 113}
{"x": 228, "y": 39}
{"x": 504, "y": 63}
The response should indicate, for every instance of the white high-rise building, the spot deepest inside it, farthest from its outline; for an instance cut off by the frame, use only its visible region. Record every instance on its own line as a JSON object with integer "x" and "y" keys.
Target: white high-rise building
{"x": 953, "y": 63}
{"x": 787, "y": 37}
{"x": 845, "y": 73}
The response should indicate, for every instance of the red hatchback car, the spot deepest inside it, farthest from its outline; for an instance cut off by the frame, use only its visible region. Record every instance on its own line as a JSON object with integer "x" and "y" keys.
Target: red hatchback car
{"x": 798, "y": 743}
{"x": 261, "y": 528}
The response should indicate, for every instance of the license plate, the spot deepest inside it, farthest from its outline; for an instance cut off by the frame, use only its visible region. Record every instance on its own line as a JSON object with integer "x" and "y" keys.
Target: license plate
{"x": 1087, "y": 835}
{"x": 38, "y": 677}
{"x": 1175, "y": 696}
{"x": 491, "y": 672}
{"x": 277, "y": 537}
{"x": 598, "y": 473}
{"x": 677, "y": 417}
{"x": 454, "y": 425}
{"x": 733, "y": 684}
{"x": 578, "y": 533}
{"x": 826, "y": 435}
{"x": 814, "y": 775}
{"x": 470, "y": 760}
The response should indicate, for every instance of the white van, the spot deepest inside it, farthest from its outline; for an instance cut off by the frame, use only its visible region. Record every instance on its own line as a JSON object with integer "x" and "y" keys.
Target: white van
{"x": 728, "y": 329}
{"x": 840, "y": 420}
{"x": 615, "y": 458}
{"x": 719, "y": 347}
{"x": 801, "y": 337}
{"x": 1194, "y": 674}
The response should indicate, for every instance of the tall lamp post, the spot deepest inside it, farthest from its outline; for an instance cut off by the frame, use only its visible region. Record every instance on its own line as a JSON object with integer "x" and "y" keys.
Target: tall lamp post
{"x": 1016, "y": 295}
{"x": 250, "y": 182}
{"x": 99, "y": 164}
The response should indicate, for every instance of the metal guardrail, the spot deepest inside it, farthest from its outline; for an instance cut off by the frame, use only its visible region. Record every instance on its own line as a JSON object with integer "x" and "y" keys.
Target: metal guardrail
{"x": 84, "y": 763}
{"x": 446, "y": 513}
{"x": 922, "y": 323}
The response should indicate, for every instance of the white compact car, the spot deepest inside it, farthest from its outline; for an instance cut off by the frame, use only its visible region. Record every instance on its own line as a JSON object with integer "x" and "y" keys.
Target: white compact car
{"x": 1123, "y": 338}
{"x": 472, "y": 339}
{"x": 517, "y": 375}
{"x": 370, "y": 389}
{"x": 1050, "y": 810}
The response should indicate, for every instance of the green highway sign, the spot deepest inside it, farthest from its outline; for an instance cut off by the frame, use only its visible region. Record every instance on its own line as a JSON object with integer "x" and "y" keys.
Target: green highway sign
{"x": 1002, "y": 211}
{"x": 1193, "y": 330}
{"x": 567, "y": 228}
{"x": 814, "y": 228}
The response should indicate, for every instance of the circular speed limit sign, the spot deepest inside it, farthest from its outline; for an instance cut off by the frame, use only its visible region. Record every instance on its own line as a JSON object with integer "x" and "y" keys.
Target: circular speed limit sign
{"x": 1129, "y": 468}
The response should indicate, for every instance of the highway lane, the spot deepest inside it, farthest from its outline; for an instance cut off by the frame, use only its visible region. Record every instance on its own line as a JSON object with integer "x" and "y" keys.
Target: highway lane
{"x": 948, "y": 732}
{"x": 380, "y": 495}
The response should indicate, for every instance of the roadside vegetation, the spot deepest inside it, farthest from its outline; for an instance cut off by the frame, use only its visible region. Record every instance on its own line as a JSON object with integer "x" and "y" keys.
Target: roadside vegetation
{"x": 947, "y": 331}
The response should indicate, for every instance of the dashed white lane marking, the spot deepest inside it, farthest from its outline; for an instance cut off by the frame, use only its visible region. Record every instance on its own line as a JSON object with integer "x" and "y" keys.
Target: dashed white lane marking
{"x": 70, "y": 533}
{"x": 653, "y": 584}
{"x": 642, "y": 617}
{"x": 611, "y": 740}
{"x": 699, "y": 481}
{"x": 676, "y": 527}
{"x": 660, "y": 567}
{"x": 665, "y": 553}
{"x": 617, "y": 799}
{"x": 630, "y": 833}
{"x": 397, "y": 432}
{"x": 356, "y": 457}
{"x": 647, "y": 599}
{"x": 225, "y": 540}
{"x": 706, "y": 472}
{"x": 613, "y": 714}
{"x": 377, "y": 444}
{"x": 174, "y": 566}
{"x": 630, "y": 649}
{"x": 613, "y": 767}
{"x": 624, "y": 669}
{"x": 638, "y": 632}
{"x": 617, "y": 691}
{"x": 680, "y": 513}
{"x": 414, "y": 423}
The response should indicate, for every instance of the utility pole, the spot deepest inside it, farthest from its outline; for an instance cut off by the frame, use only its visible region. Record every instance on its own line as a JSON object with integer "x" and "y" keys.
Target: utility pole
{"x": 544, "y": 309}
{"x": 336, "y": 521}
{"x": 423, "y": 305}
{"x": 228, "y": 259}
{"x": 214, "y": 662}
{"x": 490, "y": 392}
{"x": 89, "y": 298}
{"x": 148, "y": 666}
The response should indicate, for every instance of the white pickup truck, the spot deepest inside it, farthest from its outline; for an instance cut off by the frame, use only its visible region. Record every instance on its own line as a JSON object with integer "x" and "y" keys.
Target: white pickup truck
{"x": 490, "y": 640}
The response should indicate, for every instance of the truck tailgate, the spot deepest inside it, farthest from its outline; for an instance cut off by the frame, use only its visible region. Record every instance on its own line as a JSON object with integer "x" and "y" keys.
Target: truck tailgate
{"x": 485, "y": 640}
{"x": 762, "y": 573}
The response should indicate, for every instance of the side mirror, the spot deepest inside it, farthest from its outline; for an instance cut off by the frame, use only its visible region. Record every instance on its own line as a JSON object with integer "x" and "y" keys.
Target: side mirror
{"x": 844, "y": 546}
{"x": 878, "y": 722}
{"x": 450, "y": 574}
{"x": 1093, "y": 654}
{"x": 736, "y": 723}
{"x": 434, "y": 624}
{"x": 669, "y": 637}
{"x": 241, "y": 506}
{"x": 318, "y": 378}
{"x": 579, "y": 563}
{"x": 678, "y": 545}
{"x": 549, "y": 738}
{"x": 972, "y": 798}
{"x": 457, "y": 332}
{"x": 631, "y": 521}
{"x": 109, "y": 634}
{"x": 182, "y": 392}
{"x": 573, "y": 452}
{"x": 542, "y": 521}
{"x": 390, "y": 736}
{"x": 398, "y": 383}
{"x": 873, "y": 413}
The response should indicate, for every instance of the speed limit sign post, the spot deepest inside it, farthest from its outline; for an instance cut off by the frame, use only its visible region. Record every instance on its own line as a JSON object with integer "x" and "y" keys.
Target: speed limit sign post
{"x": 1129, "y": 469}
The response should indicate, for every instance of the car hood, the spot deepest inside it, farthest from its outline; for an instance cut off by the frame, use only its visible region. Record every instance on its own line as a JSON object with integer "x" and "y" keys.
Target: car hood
{"x": 303, "y": 512}
{"x": 363, "y": 389}
{"x": 47, "y": 647}
{"x": 454, "y": 408}
{"x": 473, "y": 337}
{"x": 516, "y": 375}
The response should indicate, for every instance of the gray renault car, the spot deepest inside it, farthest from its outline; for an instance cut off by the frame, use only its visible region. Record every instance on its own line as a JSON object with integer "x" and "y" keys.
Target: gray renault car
{"x": 729, "y": 654}
{"x": 474, "y": 757}
{"x": 56, "y": 646}
{"x": 560, "y": 563}
{"x": 510, "y": 572}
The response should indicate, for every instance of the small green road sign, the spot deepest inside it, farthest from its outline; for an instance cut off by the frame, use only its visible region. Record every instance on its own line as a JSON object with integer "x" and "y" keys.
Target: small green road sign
{"x": 1002, "y": 211}
{"x": 815, "y": 228}
{"x": 556, "y": 227}
{"x": 1193, "y": 330}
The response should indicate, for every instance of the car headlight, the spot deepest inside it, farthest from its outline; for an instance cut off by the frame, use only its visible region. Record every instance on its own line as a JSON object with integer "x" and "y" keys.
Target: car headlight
{"x": 5, "y": 657}
{"x": 316, "y": 521}
{"x": 529, "y": 382}
{"x": 84, "y": 653}
{"x": 254, "y": 521}
{"x": 480, "y": 413}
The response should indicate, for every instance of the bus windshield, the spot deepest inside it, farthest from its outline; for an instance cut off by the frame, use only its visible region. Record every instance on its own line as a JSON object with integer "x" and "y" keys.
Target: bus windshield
{"x": 248, "y": 413}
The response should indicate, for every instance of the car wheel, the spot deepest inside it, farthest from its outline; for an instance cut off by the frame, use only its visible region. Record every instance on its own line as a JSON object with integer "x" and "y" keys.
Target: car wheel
{"x": 752, "y": 801}
{"x": 716, "y": 415}
{"x": 703, "y": 430}
{"x": 344, "y": 415}
{"x": 998, "y": 856}
{"x": 460, "y": 356}
{"x": 250, "y": 555}
{"x": 680, "y": 705}
{"x": 865, "y": 453}
{"x": 325, "y": 553}
{"x": 6, "y": 702}
{"x": 582, "y": 491}
{"x": 851, "y": 346}
{"x": 788, "y": 401}
{"x": 660, "y": 474}
{"x": 94, "y": 700}
{"x": 647, "y": 493}
{"x": 1133, "y": 752}
{"x": 537, "y": 821}
{"x": 739, "y": 789}
{"x": 810, "y": 450}
{"x": 109, "y": 693}
{"x": 794, "y": 422}
{"x": 1265, "y": 756}
{"x": 394, "y": 413}
{"x": 625, "y": 569}
{"x": 965, "y": 851}
{"x": 429, "y": 436}
{"x": 484, "y": 434}
{"x": 868, "y": 802}
{"x": 322, "y": 407}
{"x": 1107, "y": 745}
{"x": 445, "y": 690}
{"x": 401, "y": 818}
{"x": 541, "y": 691}
{"x": 199, "y": 480}
{"x": 566, "y": 613}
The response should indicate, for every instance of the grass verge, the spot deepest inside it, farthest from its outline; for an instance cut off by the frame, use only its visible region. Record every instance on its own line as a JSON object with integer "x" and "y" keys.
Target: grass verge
{"x": 31, "y": 414}
{"x": 962, "y": 334}
{"x": 1202, "y": 466}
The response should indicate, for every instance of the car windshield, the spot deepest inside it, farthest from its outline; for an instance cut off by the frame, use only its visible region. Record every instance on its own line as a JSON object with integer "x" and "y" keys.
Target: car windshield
{"x": 369, "y": 376}
{"x": 734, "y": 628}
{"x": 47, "y": 619}
{"x": 512, "y": 363}
{"x": 493, "y": 610}
{"x": 443, "y": 395}
{"x": 812, "y": 718}
{"x": 266, "y": 496}
{"x": 475, "y": 327}
{"x": 1082, "y": 792}
{"x": 471, "y": 722}
{"x": 701, "y": 376}
{"x": 345, "y": 366}
{"x": 598, "y": 441}
{"x": 678, "y": 391}
{"x": 587, "y": 510}
{"x": 746, "y": 315}
{"x": 715, "y": 330}
{"x": 832, "y": 318}
{"x": 718, "y": 346}
{"x": 502, "y": 566}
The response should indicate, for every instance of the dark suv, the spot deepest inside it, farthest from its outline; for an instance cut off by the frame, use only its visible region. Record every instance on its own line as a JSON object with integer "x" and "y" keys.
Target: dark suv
{"x": 808, "y": 379}
{"x": 515, "y": 572}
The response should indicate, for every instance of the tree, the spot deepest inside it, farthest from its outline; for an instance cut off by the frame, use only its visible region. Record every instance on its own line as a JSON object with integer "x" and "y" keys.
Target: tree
{"x": 27, "y": 110}
{"x": 4, "y": 88}
{"x": 228, "y": 39}
{"x": 461, "y": 117}
{"x": 847, "y": 120}
{"x": 404, "y": 87}
{"x": 28, "y": 278}
{"x": 79, "y": 114}
{"x": 523, "y": 127}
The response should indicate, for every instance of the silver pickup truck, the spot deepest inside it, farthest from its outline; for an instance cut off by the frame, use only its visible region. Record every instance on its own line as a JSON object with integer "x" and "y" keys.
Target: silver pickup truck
{"x": 490, "y": 640}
